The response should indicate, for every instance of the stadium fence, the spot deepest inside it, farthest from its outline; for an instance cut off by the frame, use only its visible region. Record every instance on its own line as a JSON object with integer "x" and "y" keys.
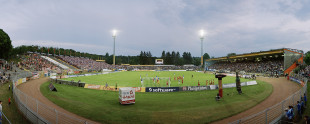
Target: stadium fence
{"x": 3, "y": 116}
{"x": 275, "y": 113}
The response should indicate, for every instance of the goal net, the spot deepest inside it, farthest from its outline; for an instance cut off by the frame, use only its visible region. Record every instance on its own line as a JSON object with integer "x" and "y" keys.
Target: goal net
{"x": 155, "y": 82}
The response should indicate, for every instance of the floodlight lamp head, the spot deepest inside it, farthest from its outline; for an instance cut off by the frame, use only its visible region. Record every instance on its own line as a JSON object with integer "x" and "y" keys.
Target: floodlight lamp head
{"x": 202, "y": 33}
{"x": 114, "y": 33}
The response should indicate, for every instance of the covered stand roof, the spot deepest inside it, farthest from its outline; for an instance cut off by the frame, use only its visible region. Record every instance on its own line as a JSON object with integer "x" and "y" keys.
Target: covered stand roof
{"x": 257, "y": 54}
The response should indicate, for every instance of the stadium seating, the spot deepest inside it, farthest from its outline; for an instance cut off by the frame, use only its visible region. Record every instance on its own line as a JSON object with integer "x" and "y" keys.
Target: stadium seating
{"x": 55, "y": 62}
{"x": 34, "y": 62}
{"x": 86, "y": 63}
{"x": 275, "y": 66}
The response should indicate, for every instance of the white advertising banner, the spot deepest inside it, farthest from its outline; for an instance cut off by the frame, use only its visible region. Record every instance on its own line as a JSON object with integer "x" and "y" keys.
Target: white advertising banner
{"x": 127, "y": 95}
{"x": 212, "y": 87}
{"x": 251, "y": 83}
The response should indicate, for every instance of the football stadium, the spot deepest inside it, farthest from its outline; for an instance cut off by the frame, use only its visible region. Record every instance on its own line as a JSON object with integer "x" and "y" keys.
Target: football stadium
{"x": 48, "y": 82}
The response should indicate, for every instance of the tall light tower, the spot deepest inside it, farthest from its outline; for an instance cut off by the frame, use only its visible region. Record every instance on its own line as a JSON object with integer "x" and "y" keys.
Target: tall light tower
{"x": 201, "y": 37}
{"x": 114, "y": 36}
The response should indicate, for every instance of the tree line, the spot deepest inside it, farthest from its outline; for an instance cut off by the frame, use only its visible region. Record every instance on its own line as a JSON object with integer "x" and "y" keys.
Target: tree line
{"x": 144, "y": 58}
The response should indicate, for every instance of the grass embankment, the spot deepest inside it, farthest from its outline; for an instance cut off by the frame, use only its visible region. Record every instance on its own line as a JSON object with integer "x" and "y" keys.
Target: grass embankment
{"x": 307, "y": 111}
{"x": 10, "y": 111}
{"x": 172, "y": 107}
{"x": 132, "y": 78}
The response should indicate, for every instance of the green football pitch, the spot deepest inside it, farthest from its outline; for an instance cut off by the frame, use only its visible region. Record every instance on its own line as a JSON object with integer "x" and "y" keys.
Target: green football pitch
{"x": 149, "y": 78}
{"x": 188, "y": 107}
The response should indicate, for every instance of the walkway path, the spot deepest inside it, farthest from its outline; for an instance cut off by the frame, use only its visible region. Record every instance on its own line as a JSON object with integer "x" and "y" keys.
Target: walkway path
{"x": 32, "y": 88}
{"x": 282, "y": 89}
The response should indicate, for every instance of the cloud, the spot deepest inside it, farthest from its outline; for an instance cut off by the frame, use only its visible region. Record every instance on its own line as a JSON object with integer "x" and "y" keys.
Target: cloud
{"x": 232, "y": 26}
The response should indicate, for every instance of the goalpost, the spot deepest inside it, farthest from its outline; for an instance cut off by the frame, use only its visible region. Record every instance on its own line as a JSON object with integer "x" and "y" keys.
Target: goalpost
{"x": 155, "y": 82}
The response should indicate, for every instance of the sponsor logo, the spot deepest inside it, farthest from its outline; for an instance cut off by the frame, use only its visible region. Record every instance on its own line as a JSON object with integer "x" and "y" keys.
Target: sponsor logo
{"x": 90, "y": 86}
{"x": 139, "y": 89}
{"x": 162, "y": 89}
{"x": 197, "y": 88}
{"x": 184, "y": 88}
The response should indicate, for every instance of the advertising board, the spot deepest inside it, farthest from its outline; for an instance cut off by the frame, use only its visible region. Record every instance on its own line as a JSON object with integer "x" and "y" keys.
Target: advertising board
{"x": 126, "y": 95}
{"x": 161, "y": 89}
{"x": 92, "y": 86}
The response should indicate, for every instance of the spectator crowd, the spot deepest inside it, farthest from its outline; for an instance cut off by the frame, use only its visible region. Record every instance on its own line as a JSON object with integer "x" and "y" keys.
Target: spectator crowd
{"x": 4, "y": 68}
{"x": 90, "y": 64}
{"x": 35, "y": 62}
{"x": 85, "y": 63}
{"x": 272, "y": 67}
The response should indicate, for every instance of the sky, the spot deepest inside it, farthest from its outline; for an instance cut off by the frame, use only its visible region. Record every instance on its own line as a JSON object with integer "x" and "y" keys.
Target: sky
{"x": 231, "y": 26}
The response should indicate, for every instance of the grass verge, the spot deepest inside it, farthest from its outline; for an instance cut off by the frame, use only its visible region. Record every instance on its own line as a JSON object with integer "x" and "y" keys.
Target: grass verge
{"x": 172, "y": 107}
{"x": 10, "y": 111}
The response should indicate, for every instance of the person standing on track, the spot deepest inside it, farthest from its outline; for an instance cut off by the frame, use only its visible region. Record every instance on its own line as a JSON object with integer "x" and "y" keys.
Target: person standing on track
{"x": 299, "y": 108}
{"x": 9, "y": 100}
{"x": 288, "y": 115}
{"x": 0, "y": 112}
{"x": 305, "y": 99}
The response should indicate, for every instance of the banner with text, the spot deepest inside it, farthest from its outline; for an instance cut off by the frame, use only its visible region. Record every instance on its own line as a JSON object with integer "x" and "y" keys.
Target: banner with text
{"x": 161, "y": 89}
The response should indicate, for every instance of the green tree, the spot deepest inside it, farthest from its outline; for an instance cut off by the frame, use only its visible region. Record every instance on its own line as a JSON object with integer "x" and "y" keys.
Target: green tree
{"x": 178, "y": 59}
{"x": 307, "y": 58}
{"x": 5, "y": 45}
{"x": 196, "y": 61}
{"x": 206, "y": 56}
{"x": 168, "y": 58}
{"x": 231, "y": 54}
{"x": 187, "y": 57}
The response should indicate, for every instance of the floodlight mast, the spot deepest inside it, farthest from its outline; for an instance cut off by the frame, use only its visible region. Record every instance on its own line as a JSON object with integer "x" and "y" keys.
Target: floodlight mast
{"x": 201, "y": 38}
{"x": 114, "y": 37}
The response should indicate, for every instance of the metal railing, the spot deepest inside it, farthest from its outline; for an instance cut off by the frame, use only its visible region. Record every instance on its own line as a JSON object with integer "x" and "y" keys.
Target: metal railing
{"x": 36, "y": 111}
{"x": 3, "y": 115}
{"x": 276, "y": 112}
